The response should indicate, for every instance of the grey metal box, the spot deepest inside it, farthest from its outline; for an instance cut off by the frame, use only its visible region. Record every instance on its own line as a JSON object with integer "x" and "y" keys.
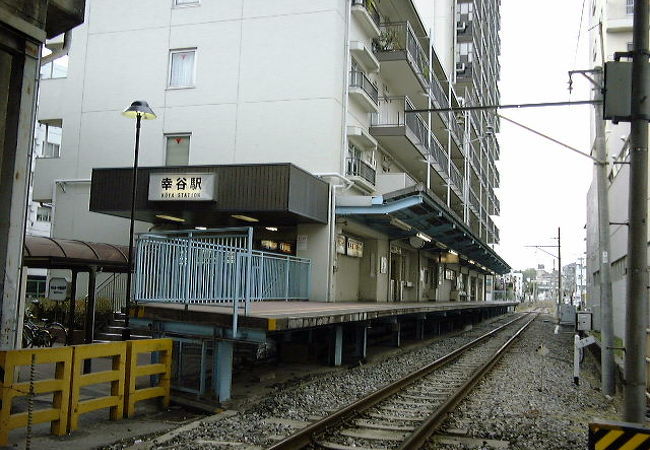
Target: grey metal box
{"x": 583, "y": 321}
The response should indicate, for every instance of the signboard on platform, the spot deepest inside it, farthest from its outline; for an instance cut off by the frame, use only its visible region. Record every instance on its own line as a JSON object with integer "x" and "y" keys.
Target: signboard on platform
{"x": 354, "y": 248}
{"x": 181, "y": 187}
{"x": 58, "y": 290}
{"x": 340, "y": 244}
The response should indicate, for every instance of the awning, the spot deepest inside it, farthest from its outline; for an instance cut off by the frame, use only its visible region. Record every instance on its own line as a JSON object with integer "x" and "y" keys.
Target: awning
{"x": 47, "y": 253}
{"x": 418, "y": 210}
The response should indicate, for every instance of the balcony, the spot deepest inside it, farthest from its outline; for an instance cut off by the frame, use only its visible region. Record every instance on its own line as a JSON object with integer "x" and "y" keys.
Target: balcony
{"x": 457, "y": 181}
{"x": 368, "y": 16}
{"x": 474, "y": 204}
{"x": 404, "y": 64}
{"x": 362, "y": 89}
{"x": 361, "y": 173}
{"x": 408, "y": 137}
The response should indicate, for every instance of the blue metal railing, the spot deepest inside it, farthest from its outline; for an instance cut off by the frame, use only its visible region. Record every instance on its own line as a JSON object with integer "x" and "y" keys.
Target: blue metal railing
{"x": 191, "y": 270}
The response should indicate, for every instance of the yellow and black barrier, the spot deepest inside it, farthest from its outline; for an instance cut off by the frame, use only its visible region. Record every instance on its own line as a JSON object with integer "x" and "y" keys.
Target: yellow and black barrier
{"x": 65, "y": 405}
{"x": 57, "y": 412}
{"x": 161, "y": 351}
{"x": 618, "y": 435}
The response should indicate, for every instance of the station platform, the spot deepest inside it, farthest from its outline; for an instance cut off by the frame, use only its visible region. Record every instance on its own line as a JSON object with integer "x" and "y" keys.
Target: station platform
{"x": 294, "y": 315}
{"x": 207, "y": 344}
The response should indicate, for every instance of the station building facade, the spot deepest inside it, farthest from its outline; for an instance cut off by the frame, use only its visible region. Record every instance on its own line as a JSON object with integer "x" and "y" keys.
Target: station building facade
{"x": 298, "y": 114}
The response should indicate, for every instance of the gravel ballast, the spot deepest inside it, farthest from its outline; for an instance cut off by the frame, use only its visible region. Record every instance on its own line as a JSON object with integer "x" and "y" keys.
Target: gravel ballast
{"x": 510, "y": 406}
{"x": 530, "y": 401}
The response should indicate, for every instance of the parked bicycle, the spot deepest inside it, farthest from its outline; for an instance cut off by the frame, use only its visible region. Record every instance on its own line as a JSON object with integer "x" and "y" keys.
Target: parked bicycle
{"x": 43, "y": 334}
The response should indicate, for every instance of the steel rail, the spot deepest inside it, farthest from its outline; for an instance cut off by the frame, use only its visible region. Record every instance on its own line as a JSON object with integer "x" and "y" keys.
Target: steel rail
{"x": 305, "y": 436}
{"x": 417, "y": 439}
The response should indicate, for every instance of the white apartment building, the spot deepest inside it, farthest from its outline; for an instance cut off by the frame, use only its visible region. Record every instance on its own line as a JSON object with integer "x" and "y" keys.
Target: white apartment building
{"x": 388, "y": 205}
{"x": 616, "y": 17}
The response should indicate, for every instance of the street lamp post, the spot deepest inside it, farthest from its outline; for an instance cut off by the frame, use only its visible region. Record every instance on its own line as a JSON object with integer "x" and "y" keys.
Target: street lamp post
{"x": 138, "y": 110}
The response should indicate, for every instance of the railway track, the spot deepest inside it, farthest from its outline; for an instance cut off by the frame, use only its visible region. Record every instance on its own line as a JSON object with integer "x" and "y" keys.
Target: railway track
{"x": 406, "y": 412}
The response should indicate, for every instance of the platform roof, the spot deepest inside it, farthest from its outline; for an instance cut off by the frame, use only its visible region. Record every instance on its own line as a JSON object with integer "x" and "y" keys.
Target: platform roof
{"x": 273, "y": 194}
{"x": 421, "y": 210}
{"x": 47, "y": 253}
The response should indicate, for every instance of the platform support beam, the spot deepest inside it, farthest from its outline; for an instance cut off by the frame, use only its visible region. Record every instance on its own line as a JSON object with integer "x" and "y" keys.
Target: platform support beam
{"x": 419, "y": 326}
{"x": 222, "y": 367}
{"x": 361, "y": 341}
{"x": 337, "y": 347}
{"x": 397, "y": 334}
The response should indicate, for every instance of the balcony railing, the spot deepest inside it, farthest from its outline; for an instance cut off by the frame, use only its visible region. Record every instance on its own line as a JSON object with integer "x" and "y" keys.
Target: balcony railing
{"x": 400, "y": 37}
{"x": 360, "y": 80}
{"x": 357, "y": 167}
{"x": 456, "y": 177}
{"x": 473, "y": 200}
{"x": 370, "y": 7}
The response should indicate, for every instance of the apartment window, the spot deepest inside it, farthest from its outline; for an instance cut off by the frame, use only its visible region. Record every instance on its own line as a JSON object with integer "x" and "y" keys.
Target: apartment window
{"x": 629, "y": 6}
{"x": 44, "y": 214}
{"x": 55, "y": 69}
{"x": 186, "y": 2}
{"x": 182, "y": 68}
{"x": 465, "y": 50}
{"x": 51, "y": 133}
{"x": 177, "y": 149}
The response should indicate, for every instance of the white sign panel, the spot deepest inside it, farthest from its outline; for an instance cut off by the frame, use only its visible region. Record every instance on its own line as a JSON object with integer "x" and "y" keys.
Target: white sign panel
{"x": 181, "y": 187}
{"x": 58, "y": 289}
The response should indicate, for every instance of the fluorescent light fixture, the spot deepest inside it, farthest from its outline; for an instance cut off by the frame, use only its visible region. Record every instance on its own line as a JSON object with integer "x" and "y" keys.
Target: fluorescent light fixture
{"x": 424, "y": 237}
{"x": 271, "y": 228}
{"x": 470, "y": 261}
{"x": 200, "y": 228}
{"x": 399, "y": 224}
{"x": 170, "y": 218}
{"x": 441, "y": 245}
{"x": 453, "y": 252}
{"x": 244, "y": 218}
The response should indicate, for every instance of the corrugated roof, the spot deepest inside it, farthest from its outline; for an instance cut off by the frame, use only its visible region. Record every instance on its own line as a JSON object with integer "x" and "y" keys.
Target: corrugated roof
{"x": 48, "y": 253}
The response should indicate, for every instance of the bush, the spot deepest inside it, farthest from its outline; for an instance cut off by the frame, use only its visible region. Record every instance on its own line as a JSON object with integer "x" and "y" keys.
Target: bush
{"x": 58, "y": 311}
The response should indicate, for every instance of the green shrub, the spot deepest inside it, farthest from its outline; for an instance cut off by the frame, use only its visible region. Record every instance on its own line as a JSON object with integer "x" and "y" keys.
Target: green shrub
{"x": 58, "y": 311}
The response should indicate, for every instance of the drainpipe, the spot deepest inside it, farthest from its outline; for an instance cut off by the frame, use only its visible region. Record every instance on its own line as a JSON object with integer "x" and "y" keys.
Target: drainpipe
{"x": 67, "y": 42}
{"x": 332, "y": 207}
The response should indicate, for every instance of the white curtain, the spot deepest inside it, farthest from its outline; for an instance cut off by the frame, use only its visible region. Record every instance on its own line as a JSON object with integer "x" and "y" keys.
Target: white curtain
{"x": 182, "y": 70}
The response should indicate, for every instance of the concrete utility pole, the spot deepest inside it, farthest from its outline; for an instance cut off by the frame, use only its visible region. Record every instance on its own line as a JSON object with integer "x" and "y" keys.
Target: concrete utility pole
{"x": 637, "y": 240}
{"x": 606, "y": 321}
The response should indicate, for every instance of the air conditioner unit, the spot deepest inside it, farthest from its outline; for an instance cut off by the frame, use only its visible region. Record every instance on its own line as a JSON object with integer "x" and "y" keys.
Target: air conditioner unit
{"x": 461, "y": 26}
{"x": 460, "y": 67}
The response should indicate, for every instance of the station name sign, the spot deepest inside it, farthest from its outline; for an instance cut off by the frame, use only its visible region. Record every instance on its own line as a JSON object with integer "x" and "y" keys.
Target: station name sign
{"x": 181, "y": 187}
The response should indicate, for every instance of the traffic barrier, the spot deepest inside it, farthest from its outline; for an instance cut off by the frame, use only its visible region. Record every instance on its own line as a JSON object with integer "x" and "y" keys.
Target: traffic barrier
{"x": 116, "y": 376}
{"x": 618, "y": 435}
{"x": 161, "y": 368}
{"x": 57, "y": 413}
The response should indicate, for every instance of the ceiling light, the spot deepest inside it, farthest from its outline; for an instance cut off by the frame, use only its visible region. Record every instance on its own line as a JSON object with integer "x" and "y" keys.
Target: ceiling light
{"x": 453, "y": 252}
{"x": 244, "y": 218}
{"x": 200, "y": 228}
{"x": 470, "y": 261}
{"x": 170, "y": 218}
{"x": 271, "y": 228}
{"x": 441, "y": 245}
{"x": 424, "y": 237}
{"x": 400, "y": 224}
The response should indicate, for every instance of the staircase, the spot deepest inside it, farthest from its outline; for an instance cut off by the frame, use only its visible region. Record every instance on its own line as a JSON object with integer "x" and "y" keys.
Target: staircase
{"x": 113, "y": 331}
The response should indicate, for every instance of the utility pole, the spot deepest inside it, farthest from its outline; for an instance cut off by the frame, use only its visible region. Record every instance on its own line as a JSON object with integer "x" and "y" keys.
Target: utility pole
{"x": 607, "y": 321}
{"x": 559, "y": 274}
{"x": 637, "y": 238}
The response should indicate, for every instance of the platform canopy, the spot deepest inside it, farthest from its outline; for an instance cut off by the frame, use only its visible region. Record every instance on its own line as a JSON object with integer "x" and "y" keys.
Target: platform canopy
{"x": 418, "y": 210}
{"x": 47, "y": 253}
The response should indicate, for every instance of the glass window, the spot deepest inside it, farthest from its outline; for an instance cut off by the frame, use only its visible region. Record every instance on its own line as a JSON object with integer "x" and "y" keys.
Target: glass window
{"x": 51, "y": 134}
{"x": 44, "y": 214}
{"x": 177, "y": 150}
{"x": 55, "y": 69}
{"x": 181, "y": 68}
{"x": 629, "y": 6}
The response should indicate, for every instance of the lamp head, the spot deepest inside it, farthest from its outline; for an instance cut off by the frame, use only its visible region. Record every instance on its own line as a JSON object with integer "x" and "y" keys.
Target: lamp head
{"x": 139, "y": 108}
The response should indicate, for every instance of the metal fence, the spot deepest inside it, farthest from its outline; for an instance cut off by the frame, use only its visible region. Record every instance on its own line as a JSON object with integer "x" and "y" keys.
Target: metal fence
{"x": 215, "y": 269}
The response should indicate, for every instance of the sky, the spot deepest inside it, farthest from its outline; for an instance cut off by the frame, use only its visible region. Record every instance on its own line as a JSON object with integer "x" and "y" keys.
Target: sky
{"x": 543, "y": 185}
